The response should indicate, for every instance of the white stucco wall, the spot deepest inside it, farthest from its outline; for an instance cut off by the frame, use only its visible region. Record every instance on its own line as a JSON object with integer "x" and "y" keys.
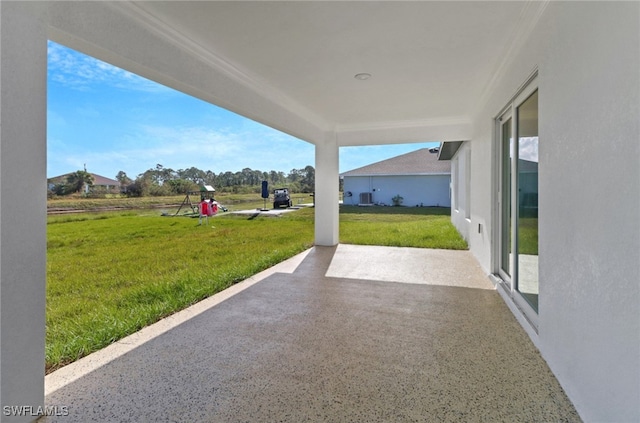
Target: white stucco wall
{"x": 591, "y": 237}
{"x": 587, "y": 55}
{"x": 425, "y": 190}
{"x": 326, "y": 198}
{"x": 23, "y": 55}
{"x": 461, "y": 190}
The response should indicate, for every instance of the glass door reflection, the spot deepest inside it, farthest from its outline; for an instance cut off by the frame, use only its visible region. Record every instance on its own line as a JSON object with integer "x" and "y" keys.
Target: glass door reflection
{"x": 527, "y": 200}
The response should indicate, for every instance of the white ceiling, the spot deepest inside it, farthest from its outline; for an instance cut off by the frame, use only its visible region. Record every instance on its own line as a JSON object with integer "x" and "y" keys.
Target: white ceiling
{"x": 428, "y": 60}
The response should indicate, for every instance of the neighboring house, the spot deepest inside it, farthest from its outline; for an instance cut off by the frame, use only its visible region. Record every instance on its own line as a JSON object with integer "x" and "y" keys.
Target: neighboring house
{"x": 418, "y": 177}
{"x": 100, "y": 183}
{"x": 108, "y": 184}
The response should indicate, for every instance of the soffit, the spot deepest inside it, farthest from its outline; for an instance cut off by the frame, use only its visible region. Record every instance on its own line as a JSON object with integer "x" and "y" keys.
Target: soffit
{"x": 428, "y": 60}
{"x": 448, "y": 149}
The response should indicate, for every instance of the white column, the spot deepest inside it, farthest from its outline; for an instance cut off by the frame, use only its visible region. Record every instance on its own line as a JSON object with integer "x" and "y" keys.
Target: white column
{"x": 23, "y": 111}
{"x": 327, "y": 196}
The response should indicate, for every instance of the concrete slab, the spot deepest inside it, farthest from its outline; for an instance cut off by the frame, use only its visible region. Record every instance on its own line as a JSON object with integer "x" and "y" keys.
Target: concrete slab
{"x": 408, "y": 265}
{"x": 297, "y": 345}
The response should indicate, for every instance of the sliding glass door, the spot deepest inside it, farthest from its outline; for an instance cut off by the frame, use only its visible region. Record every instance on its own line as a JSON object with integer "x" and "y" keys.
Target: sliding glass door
{"x": 518, "y": 200}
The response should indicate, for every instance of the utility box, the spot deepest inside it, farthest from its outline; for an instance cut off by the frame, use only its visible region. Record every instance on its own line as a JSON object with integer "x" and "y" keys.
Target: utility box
{"x": 365, "y": 199}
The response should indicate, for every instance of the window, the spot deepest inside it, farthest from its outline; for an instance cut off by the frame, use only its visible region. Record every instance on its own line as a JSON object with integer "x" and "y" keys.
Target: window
{"x": 455, "y": 173}
{"x": 467, "y": 184}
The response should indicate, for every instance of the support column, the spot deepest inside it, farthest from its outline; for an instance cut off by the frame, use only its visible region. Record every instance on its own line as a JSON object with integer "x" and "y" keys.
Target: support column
{"x": 23, "y": 111}
{"x": 327, "y": 195}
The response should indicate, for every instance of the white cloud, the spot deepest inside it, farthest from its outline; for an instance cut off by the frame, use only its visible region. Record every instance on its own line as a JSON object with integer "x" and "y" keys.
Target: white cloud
{"x": 258, "y": 148}
{"x": 223, "y": 150}
{"x": 80, "y": 72}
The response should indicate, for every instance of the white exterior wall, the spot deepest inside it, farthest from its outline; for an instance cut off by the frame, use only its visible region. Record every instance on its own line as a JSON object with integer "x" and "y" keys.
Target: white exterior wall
{"x": 587, "y": 56}
{"x": 591, "y": 237}
{"x": 461, "y": 190}
{"x": 355, "y": 185}
{"x": 327, "y": 195}
{"x": 23, "y": 106}
{"x": 428, "y": 190}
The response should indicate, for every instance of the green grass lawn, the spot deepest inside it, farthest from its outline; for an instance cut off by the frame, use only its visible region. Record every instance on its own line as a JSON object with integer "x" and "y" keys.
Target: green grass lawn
{"x": 110, "y": 274}
{"x": 422, "y": 227}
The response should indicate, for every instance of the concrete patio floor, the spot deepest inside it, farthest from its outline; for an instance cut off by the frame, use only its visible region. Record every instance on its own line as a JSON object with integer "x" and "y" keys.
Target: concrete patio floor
{"x": 335, "y": 334}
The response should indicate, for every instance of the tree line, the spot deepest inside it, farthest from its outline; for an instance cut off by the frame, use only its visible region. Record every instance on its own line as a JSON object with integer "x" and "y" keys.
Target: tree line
{"x": 164, "y": 181}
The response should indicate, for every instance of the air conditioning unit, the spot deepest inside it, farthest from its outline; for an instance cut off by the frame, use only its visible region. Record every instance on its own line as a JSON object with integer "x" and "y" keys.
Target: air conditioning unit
{"x": 365, "y": 198}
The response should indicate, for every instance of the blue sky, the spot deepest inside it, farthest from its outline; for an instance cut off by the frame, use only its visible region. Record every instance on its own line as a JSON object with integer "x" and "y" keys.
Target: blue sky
{"x": 110, "y": 120}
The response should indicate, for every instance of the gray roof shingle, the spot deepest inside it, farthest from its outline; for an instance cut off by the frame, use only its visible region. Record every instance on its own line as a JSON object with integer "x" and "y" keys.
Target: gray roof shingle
{"x": 97, "y": 179}
{"x": 419, "y": 162}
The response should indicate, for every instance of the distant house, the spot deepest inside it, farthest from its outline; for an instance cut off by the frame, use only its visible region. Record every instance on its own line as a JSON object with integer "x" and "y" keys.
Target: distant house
{"x": 100, "y": 183}
{"x": 418, "y": 177}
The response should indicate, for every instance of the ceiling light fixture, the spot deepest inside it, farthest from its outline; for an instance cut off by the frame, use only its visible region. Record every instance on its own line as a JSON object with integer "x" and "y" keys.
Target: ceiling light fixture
{"x": 362, "y": 76}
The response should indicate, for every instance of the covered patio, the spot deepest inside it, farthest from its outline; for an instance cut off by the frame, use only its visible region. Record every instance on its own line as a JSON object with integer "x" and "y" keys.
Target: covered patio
{"x": 480, "y": 75}
{"x": 345, "y": 333}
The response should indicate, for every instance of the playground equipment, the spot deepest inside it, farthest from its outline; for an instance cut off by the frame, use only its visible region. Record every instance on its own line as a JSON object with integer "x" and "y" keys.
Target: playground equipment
{"x": 206, "y": 192}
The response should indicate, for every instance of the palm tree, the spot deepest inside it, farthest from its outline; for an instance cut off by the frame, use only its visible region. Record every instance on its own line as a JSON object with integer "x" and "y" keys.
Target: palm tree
{"x": 78, "y": 180}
